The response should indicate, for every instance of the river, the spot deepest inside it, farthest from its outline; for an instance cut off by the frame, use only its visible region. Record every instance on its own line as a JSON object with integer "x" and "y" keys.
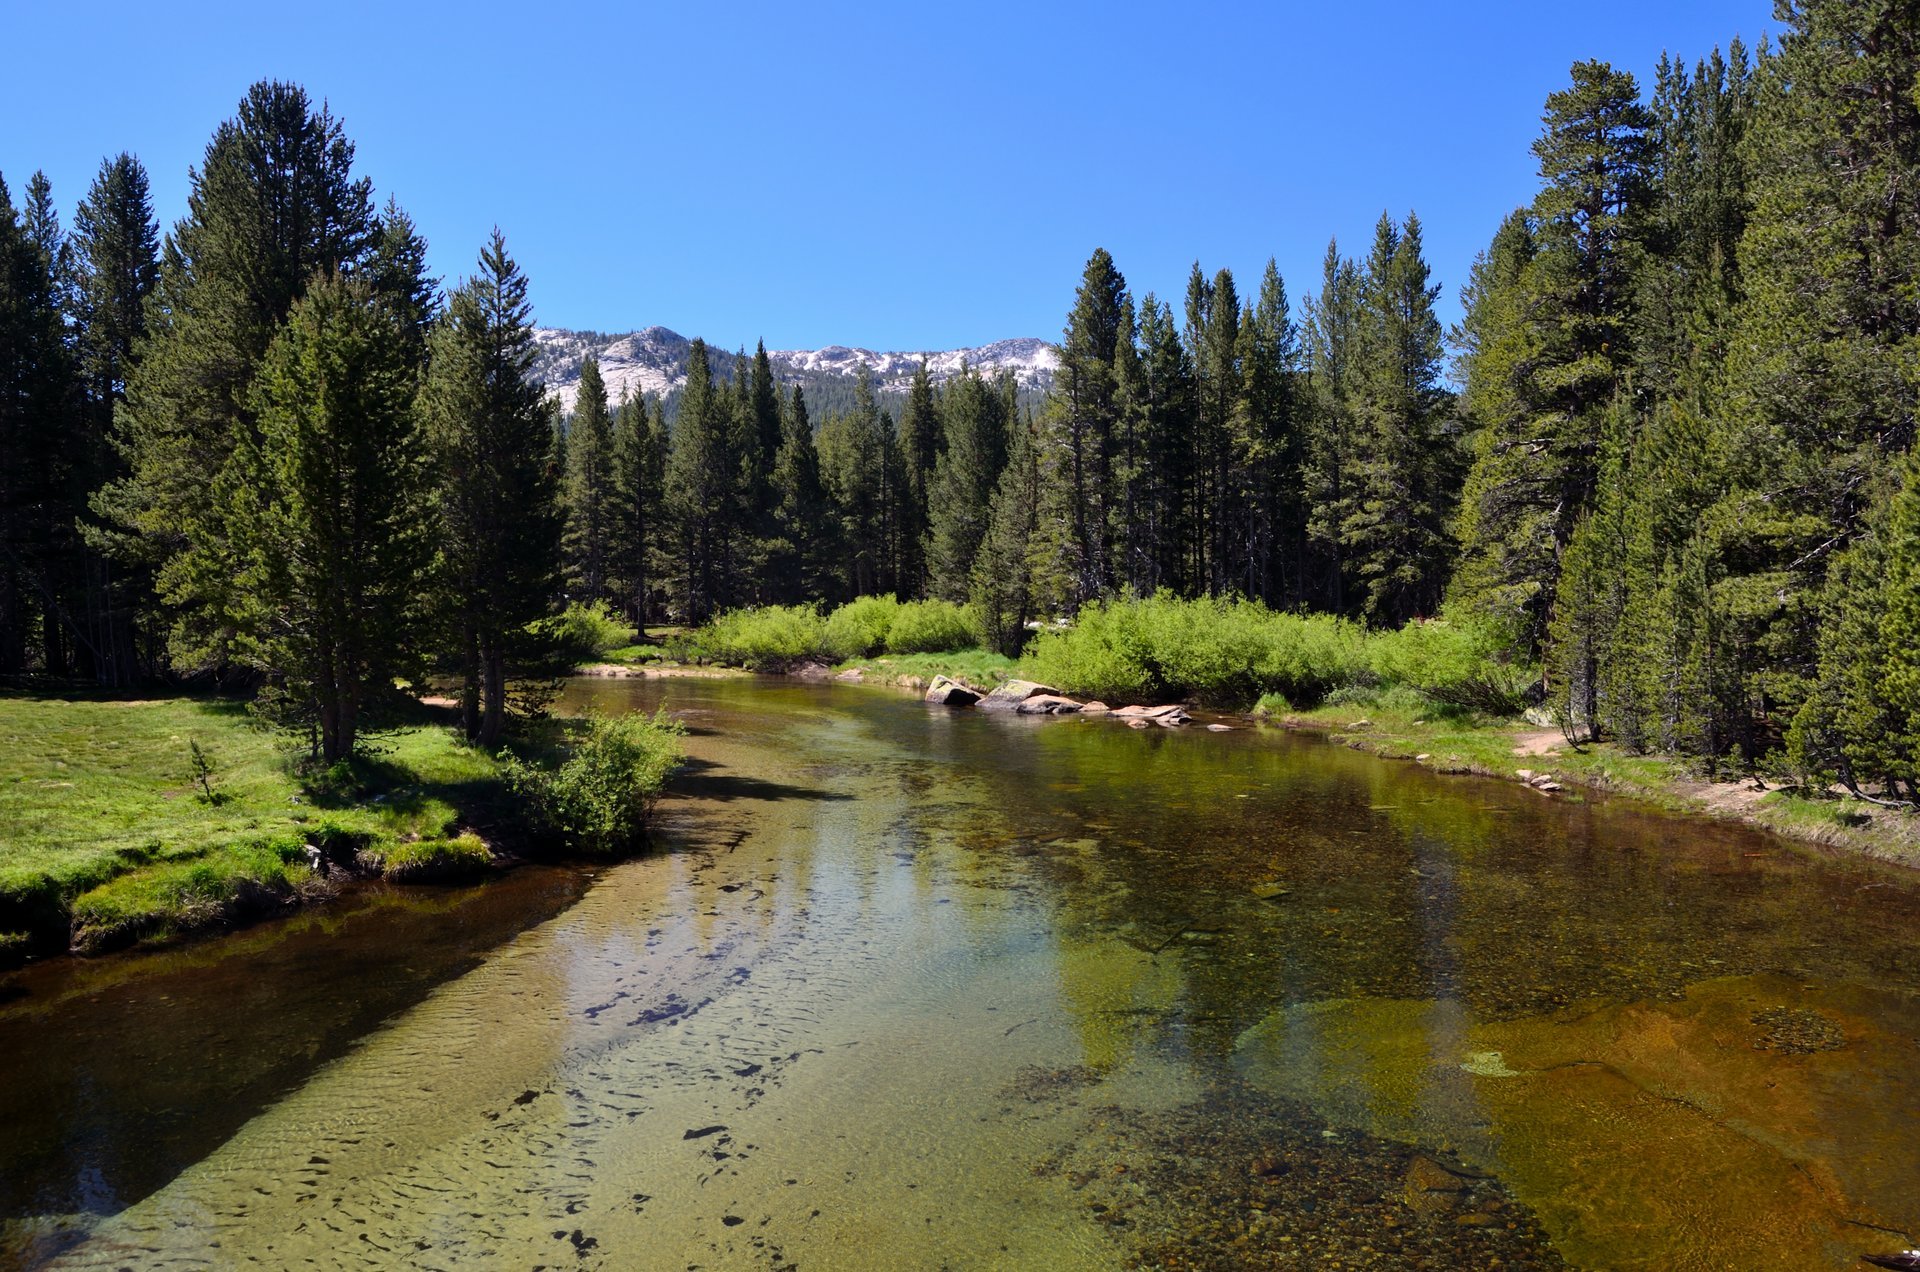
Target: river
{"x": 912, "y": 988}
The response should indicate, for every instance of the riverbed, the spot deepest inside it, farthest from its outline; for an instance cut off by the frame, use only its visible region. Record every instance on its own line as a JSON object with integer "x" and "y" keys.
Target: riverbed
{"x": 913, "y": 988}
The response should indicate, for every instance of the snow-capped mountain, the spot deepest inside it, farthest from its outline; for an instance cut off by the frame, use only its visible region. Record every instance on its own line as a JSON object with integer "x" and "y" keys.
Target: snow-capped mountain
{"x": 655, "y": 361}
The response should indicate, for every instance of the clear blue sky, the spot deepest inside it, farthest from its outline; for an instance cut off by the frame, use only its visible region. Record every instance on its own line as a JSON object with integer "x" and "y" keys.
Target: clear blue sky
{"x": 895, "y": 176}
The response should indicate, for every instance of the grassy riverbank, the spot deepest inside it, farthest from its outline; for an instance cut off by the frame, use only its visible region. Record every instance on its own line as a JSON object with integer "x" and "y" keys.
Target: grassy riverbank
{"x": 1507, "y": 748}
{"x": 113, "y": 832}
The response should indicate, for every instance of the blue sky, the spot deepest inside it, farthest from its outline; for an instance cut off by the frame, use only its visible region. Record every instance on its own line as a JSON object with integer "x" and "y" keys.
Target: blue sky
{"x": 898, "y": 177}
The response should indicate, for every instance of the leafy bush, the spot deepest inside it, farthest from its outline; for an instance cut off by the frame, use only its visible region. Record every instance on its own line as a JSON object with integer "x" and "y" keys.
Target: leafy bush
{"x": 932, "y": 627}
{"x": 1272, "y": 704}
{"x": 859, "y": 629}
{"x": 587, "y": 630}
{"x": 770, "y": 638}
{"x": 1217, "y": 650}
{"x": 1461, "y": 665}
{"x": 599, "y": 800}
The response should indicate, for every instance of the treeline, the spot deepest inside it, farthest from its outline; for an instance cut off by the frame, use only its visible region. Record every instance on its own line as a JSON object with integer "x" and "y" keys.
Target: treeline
{"x": 268, "y": 446}
{"x": 1690, "y": 365}
{"x": 1676, "y": 475}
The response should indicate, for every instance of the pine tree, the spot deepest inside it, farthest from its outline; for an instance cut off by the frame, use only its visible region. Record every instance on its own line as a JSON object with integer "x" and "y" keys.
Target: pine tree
{"x": 1005, "y": 593}
{"x": 589, "y": 491}
{"x": 396, "y": 269}
{"x": 1395, "y": 534}
{"x": 116, "y": 262}
{"x": 701, "y": 485}
{"x": 1577, "y": 297}
{"x": 639, "y": 468}
{"x": 1336, "y": 328}
{"x": 920, "y": 439}
{"x": 860, "y": 466}
{"x": 974, "y": 420}
{"x": 273, "y": 205}
{"x": 1080, "y": 430}
{"x": 800, "y": 554}
{"x": 326, "y": 504}
{"x": 497, "y": 518}
{"x": 1165, "y": 529}
{"x": 39, "y": 406}
{"x": 1265, "y": 446}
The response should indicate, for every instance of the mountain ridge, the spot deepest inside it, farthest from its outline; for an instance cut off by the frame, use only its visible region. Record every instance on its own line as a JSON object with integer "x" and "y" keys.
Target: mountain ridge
{"x": 653, "y": 360}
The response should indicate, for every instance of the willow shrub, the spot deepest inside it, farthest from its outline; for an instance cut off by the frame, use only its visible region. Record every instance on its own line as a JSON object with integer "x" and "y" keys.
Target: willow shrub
{"x": 588, "y": 630}
{"x": 769, "y": 638}
{"x": 1456, "y": 664}
{"x": 859, "y": 629}
{"x": 598, "y": 801}
{"x": 1211, "y": 649}
{"x": 932, "y": 627}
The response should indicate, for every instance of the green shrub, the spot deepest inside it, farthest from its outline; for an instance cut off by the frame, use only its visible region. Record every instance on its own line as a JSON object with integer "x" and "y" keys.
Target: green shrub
{"x": 587, "y": 630}
{"x": 859, "y": 629}
{"x": 1271, "y": 705}
{"x": 1460, "y": 665}
{"x": 599, "y": 800}
{"x": 1211, "y": 649}
{"x": 770, "y": 638}
{"x": 932, "y": 627}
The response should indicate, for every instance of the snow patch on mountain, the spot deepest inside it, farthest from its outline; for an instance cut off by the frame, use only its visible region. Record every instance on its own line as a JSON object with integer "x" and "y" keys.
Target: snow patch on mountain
{"x": 654, "y": 361}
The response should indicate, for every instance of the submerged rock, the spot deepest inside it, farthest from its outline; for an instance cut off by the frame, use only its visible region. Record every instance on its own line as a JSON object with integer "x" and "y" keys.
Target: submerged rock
{"x": 947, "y": 692}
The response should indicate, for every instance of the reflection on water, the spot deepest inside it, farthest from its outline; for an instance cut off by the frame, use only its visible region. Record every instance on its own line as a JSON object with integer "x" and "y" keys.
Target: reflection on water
{"x": 917, "y": 988}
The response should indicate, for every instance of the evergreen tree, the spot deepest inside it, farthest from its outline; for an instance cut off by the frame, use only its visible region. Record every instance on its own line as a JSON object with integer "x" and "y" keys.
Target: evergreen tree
{"x": 1265, "y": 445}
{"x": 497, "y": 519}
{"x": 701, "y": 483}
{"x": 1577, "y": 296}
{"x": 920, "y": 439}
{"x": 974, "y": 420}
{"x": 397, "y": 272}
{"x": 860, "y": 466}
{"x": 39, "y": 404}
{"x": 1005, "y": 592}
{"x": 1163, "y": 487}
{"x": 116, "y": 262}
{"x": 273, "y": 205}
{"x": 1395, "y": 534}
{"x": 800, "y": 555}
{"x": 1336, "y": 333}
{"x": 1081, "y": 428}
{"x": 326, "y": 506}
{"x": 639, "y": 468}
{"x": 589, "y": 495}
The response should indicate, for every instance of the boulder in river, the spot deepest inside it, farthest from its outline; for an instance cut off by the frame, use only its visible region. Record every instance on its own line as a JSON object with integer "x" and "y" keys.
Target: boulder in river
{"x": 1172, "y": 713}
{"x": 1009, "y": 696}
{"x": 1047, "y": 704}
{"x": 948, "y": 692}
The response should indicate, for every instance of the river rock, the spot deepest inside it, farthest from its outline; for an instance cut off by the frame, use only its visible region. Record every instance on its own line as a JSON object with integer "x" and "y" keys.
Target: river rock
{"x": 1171, "y": 712}
{"x": 1096, "y": 707}
{"x": 1047, "y": 704}
{"x": 947, "y": 692}
{"x": 1219, "y": 728}
{"x": 1009, "y": 696}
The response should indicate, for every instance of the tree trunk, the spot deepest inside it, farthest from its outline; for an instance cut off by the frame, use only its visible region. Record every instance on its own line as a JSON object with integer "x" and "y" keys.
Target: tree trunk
{"x": 494, "y": 722}
{"x": 470, "y": 725}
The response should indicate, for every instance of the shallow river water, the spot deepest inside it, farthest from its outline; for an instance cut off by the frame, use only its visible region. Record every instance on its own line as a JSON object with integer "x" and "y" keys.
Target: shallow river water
{"x": 907, "y": 988}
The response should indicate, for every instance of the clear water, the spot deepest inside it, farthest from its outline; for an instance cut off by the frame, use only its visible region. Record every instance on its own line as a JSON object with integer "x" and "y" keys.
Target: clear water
{"x": 908, "y": 988}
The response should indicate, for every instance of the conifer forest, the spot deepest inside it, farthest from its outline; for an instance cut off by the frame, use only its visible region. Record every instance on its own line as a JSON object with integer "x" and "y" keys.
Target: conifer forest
{"x": 1665, "y": 458}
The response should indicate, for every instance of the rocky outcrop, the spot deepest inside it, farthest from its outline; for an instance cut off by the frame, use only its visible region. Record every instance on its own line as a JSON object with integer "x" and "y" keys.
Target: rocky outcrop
{"x": 1009, "y": 696}
{"x": 947, "y": 692}
{"x": 1172, "y": 714}
{"x": 1047, "y": 704}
